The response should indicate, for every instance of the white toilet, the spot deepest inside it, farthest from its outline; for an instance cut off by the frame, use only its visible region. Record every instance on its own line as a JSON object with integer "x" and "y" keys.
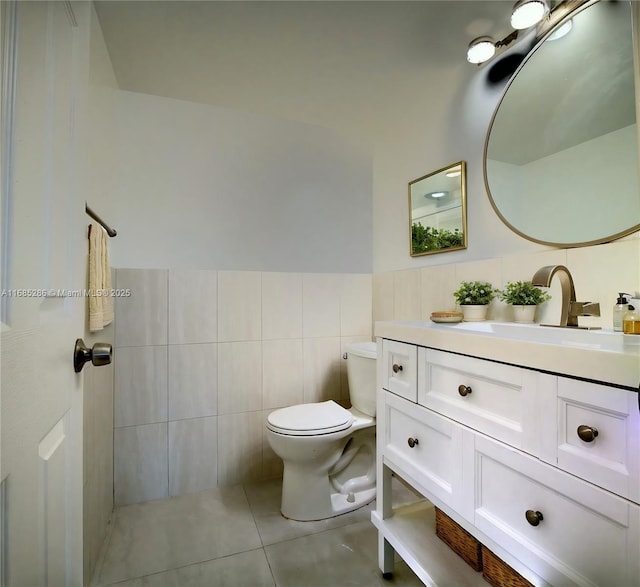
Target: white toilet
{"x": 327, "y": 450}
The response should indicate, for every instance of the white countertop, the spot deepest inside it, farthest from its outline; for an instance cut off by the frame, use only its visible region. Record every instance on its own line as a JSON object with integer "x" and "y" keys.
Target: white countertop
{"x": 598, "y": 355}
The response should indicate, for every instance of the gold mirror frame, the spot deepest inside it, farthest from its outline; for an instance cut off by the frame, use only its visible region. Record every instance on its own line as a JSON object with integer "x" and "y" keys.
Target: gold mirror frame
{"x": 438, "y": 211}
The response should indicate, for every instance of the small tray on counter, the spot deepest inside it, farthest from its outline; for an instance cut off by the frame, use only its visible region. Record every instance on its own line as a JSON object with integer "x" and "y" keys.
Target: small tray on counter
{"x": 446, "y": 317}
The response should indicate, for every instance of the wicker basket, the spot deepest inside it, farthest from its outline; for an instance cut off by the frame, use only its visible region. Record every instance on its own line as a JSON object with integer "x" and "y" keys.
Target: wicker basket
{"x": 499, "y": 573}
{"x": 459, "y": 540}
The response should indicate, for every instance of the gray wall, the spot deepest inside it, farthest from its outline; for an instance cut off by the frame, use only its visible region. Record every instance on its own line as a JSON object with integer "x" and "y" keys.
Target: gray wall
{"x": 210, "y": 188}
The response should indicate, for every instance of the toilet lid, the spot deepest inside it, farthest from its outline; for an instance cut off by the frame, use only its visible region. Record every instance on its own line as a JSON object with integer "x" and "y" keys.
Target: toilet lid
{"x": 310, "y": 419}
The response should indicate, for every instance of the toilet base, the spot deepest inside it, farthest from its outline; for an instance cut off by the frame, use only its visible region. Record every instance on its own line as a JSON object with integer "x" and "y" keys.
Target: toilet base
{"x": 341, "y": 480}
{"x": 340, "y": 504}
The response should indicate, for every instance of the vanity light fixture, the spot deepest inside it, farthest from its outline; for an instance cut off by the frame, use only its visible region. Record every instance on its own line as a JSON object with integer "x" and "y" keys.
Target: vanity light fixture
{"x": 436, "y": 195}
{"x": 454, "y": 172}
{"x": 527, "y": 13}
{"x": 483, "y": 48}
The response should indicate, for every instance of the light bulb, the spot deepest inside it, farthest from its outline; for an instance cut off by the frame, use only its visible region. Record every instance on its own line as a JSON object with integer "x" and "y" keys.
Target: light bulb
{"x": 526, "y": 13}
{"x": 480, "y": 50}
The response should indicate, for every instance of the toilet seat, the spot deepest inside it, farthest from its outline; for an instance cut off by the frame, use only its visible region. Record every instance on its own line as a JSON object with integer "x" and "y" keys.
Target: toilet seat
{"x": 310, "y": 419}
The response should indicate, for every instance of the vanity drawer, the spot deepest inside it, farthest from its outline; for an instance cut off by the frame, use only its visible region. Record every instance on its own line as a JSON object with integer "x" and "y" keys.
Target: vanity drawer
{"x": 502, "y": 401}
{"x": 399, "y": 369}
{"x": 599, "y": 435}
{"x": 425, "y": 447}
{"x": 579, "y": 534}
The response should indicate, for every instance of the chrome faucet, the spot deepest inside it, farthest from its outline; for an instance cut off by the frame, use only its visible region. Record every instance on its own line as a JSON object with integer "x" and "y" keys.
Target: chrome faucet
{"x": 571, "y": 309}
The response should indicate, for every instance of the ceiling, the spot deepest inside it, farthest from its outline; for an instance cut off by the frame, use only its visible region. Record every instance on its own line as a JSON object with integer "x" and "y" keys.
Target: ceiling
{"x": 347, "y": 65}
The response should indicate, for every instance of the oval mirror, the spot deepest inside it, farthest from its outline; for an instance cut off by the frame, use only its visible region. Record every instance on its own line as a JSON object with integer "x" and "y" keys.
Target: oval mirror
{"x": 561, "y": 155}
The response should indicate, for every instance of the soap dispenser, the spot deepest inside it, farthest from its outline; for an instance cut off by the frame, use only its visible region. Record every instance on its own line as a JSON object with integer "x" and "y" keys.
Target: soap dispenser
{"x": 619, "y": 310}
{"x": 631, "y": 320}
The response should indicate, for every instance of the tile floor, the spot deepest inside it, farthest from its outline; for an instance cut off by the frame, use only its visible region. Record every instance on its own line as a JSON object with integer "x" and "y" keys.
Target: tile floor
{"x": 236, "y": 537}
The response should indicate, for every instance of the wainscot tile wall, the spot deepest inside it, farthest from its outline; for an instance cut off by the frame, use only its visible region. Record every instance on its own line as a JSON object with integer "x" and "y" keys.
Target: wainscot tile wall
{"x": 599, "y": 272}
{"x": 202, "y": 357}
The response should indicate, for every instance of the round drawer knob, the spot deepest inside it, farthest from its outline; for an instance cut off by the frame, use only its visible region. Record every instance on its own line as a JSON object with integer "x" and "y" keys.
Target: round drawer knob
{"x": 534, "y": 517}
{"x": 464, "y": 390}
{"x": 397, "y": 367}
{"x": 412, "y": 442}
{"x": 587, "y": 433}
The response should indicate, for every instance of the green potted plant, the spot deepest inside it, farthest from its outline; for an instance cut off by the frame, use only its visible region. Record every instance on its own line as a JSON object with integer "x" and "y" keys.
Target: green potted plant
{"x": 524, "y": 297}
{"x": 428, "y": 239}
{"x": 474, "y": 298}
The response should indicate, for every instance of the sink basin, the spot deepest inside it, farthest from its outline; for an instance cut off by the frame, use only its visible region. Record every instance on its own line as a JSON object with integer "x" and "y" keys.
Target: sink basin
{"x": 605, "y": 340}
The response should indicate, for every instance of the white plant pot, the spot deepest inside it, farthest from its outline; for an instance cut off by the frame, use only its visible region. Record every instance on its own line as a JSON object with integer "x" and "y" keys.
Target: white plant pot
{"x": 474, "y": 313}
{"x": 524, "y": 314}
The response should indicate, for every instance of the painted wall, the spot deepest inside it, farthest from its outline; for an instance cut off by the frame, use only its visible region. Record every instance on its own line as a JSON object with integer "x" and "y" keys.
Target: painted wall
{"x": 205, "y": 187}
{"x": 266, "y": 225}
{"x": 445, "y": 126}
{"x": 451, "y": 126}
{"x": 188, "y": 181}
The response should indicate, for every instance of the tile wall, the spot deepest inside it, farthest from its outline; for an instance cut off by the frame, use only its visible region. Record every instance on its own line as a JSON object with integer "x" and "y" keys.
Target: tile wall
{"x": 599, "y": 272}
{"x": 202, "y": 357}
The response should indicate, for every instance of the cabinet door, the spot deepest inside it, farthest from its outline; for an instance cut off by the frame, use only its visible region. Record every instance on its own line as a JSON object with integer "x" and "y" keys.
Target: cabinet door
{"x": 599, "y": 435}
{"x": 505, "y": 402}
{"x": 576, "y": 534}
{"x": 399, "y": 369}
{"x": 426, "y": 449}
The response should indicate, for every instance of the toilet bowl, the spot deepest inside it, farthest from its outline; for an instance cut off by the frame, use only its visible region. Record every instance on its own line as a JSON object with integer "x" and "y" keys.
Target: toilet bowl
{"x": 329, "y": 451}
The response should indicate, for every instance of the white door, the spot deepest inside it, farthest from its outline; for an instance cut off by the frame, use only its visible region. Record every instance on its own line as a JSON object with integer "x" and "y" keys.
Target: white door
{"x": 44, "y": 248}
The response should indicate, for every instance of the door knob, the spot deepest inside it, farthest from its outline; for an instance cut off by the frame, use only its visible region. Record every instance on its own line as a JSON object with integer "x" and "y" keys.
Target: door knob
{"x": 397, "y": 367}
{"x": 99, "y": 354}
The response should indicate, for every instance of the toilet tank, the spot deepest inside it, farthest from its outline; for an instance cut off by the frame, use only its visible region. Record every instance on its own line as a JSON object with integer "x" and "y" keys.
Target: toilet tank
{"x": 361, "y": 374}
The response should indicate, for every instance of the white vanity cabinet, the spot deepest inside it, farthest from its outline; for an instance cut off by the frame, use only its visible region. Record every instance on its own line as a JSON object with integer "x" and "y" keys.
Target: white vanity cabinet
{"x": 542, "y": 469}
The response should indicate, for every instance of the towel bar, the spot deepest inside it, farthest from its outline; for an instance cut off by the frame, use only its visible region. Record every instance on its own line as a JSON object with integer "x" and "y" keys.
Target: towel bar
{"x": 110, "y": 231}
